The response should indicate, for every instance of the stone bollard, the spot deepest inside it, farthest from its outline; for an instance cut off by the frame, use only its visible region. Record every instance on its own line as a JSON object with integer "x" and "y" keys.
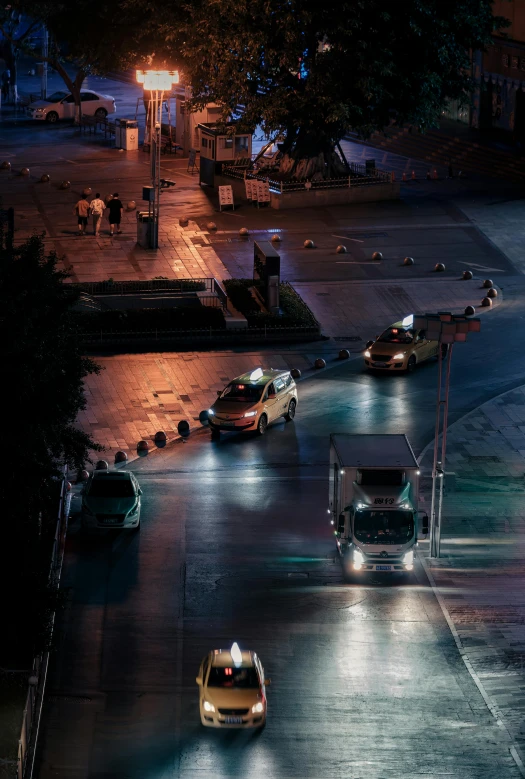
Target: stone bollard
{"x": 102, "y": 465}
{"x": 24, "y": 172}
{"x": 488, "y": 283}
{"x": 467, "y": 275}
{"x": 404, "y": 177}
{"x": 244, "y": 232}
{"x": 203, "y": 417}
{"x": 160, "y": 439}
{"x": 308, "y": 244}
{"x": 413, "y": 176}
{"x": 408, "y": 261}
{"x": 439, "y": 267}
{"x": 83, "y": 475}
{"x": 120, "y": 457}
{"x": 470, "y": 311}
{"x": 5, "y": 165}
{"x": 142, "y": 448}
{"x": 131, "y": 205}
{"x": 320, "y": 363}
{"x": 344, "y": 354}
{"x": 341, "y": 249}
{"x": 276, "y": 238}
{"x": 183, "y": 428}
{"x": 108, "y": 198}
{"x": 486, "y": 302}
{"x": 211, "y": 226}
{"x": 44, "y": 178}
{"x": 87, "y": 191}
{"x": 65, "y": 185}
{"x": 492, "y": 293}
{"x": 183, "y": 222}
{"x": 296, "y": 373}
{"x": 377, "y": 256}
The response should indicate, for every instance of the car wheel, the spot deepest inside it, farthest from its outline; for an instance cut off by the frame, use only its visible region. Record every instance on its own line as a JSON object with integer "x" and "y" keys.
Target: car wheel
{"x": 291, "y": 410}
{"x": 262, "y": 424}
{"x": 411, "y": 364}
{"x": 101, "y": 113}
{"x": 52, "y": 117}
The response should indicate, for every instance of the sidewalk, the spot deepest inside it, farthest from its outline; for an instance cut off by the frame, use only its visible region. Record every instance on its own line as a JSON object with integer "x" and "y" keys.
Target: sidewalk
{"x": 481, "y": 573}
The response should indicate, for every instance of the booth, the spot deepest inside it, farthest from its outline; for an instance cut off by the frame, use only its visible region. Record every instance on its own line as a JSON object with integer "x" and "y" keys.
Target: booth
{"x": 221, "y": 145}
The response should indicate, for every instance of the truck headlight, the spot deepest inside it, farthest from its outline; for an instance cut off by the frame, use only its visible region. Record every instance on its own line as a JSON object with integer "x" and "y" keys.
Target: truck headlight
{"x": 257, "y": 708}
{"x": 359, "y": 559}
{"x": 250, "y": 414}
{"x": 408, "y": 559}
{"x": 399, "y": 356}
{"x": 367, "y": 353}
{"x": 207, "y": 706}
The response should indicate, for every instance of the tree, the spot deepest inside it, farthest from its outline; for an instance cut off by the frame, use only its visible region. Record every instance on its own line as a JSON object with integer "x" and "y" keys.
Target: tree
{"x": 309, "y": 71}
{"x": 43, "y": 394}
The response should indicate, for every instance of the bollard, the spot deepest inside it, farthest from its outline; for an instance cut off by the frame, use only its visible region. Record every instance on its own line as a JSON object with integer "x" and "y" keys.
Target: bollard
{"x": 492, "y": 293}
{"x": 467, "y": 275}
{"x": 244, "y": 231}
{"x": 470, "y": 311}
{"x": 5, "y": 165}
{"x": 408, "y": 261}
{"x": 160, "y": 439}
{"x": 341, "y": 249}
{"x": 120, "y": 457}
{"x": 211, "y": 226}
{"x": 82, "y": 476}
{"x": 183, "y": 428}
{"x": 486, "y": 302}
{"x": 434, "y": 174}
{"x": 276, "y": 238}
{"x": 439, "y": 267}
{"x": 24, "y": 172}
{"x": 65, "y": 185}
{"x": 488, "y": 283}
{"x": 377, "y": 256}
{"x": 296, "y": 373}
{"x": 203, "y": 417}
{"x": 142, "y": 448}
{"x": 44, "y": 178}
{"x": 392, "y": 177}
{"x": 344, "y": 354}
{"x": 413, "y": 176}
{"x": 183, "y": 222}
{"x": 87, "y": 191}
{"x": 308, "y": 244}
{"x": 428, "y": 175}
{"x": 131, "y": 205}
{"x": 102, "y": 465}
{"x": 404, "y": 177}
{"x": 320, "y": 363}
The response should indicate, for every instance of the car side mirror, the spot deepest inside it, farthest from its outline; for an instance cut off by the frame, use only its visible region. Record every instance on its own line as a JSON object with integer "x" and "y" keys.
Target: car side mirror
{"x": 199, "y": 680}
{"x": 341, "y": 523}
{"x": 271, "y": 395}
{"x": 369, "y": 344}
{"x": 140, "y": 491}
{"x": 267, "y": 682}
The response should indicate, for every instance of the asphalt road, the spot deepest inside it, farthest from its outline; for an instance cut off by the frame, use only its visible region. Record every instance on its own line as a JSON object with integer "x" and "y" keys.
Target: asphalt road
{"x": 235, "y": 545}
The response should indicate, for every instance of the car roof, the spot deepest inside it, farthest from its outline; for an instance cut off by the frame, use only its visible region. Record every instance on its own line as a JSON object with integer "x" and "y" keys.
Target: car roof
{"x": 117, "y": 475}
{"x": 221, "y": 658}
{"x": 267, "y": 375}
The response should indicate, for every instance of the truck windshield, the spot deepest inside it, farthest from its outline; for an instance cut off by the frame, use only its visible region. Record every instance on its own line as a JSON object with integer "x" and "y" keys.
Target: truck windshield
{"x": 383, "y": 527}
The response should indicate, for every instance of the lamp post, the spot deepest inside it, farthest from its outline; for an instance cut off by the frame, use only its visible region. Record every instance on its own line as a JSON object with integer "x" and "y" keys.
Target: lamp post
{"x": 448, "y": 329}
{"x": 156, "y": 82}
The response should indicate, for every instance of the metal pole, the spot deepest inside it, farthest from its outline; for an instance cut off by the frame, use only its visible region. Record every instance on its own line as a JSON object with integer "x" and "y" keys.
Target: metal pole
{"x": 435, "y": 461}
{"x": 45, "y": 54}
{"x": 443, "y": 451}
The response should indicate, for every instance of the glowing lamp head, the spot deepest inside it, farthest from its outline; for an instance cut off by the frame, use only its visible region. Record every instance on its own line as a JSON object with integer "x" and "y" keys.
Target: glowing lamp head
{"x": 161, "y": 80}
{"x": 236, "y": 654}
{"x": 256, "y": 374}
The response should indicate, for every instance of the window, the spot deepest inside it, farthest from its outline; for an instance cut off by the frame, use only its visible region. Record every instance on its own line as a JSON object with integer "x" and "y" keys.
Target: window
{"x": 288, "y": 380}
{"x": 239, "y": 678}
{"x": 69, "y": 99}
{"x": 241, "y": 145}
{"x": 396, "y": 335}
{"x": 56, "y": 97}
{"x": 204, "y": 143}
{"x": 111, "y": 488}
{"x": 242, "y": 392}
{"x": 225, "y": 143}
{"x": 279, "y": 385}
{"x": 86, "y": 96}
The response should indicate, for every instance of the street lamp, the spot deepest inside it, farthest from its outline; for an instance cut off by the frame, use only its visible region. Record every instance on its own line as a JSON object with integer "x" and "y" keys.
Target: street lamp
{"x": 448, "y": 329}
{"x": 156, "y": 82}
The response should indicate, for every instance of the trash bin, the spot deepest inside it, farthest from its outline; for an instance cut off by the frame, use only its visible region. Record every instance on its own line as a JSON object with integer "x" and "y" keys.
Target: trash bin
{"x": 144, "y": 229}
{"x": 129, "y": 134}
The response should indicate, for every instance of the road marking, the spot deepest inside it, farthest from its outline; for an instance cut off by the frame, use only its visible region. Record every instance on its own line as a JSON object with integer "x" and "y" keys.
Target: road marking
{"x": 357, "y": 262}
{"x": 481, "y": 267}
{"x": 347, "y": 238}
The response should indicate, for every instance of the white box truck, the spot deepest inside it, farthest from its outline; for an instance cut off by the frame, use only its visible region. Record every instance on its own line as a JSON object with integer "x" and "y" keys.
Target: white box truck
{"x": 373, "y": 502}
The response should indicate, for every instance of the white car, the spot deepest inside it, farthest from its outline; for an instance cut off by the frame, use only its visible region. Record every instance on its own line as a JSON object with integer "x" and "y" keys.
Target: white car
{"x": 61, "y": 105}
{"x": 232, "y": 689}
{"x": 111, "y": 499}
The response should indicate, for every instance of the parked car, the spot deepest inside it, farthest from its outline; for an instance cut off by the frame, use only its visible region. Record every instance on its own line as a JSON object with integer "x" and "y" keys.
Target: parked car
{"x": 111, "y": 499}
{"x": 232, "y": 689}
{"x": 252, "y": 401}
{"x": 61, "y": 105}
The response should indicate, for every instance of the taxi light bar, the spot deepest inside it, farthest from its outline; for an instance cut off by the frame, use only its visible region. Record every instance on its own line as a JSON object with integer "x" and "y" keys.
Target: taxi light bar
{"x": 256, "y": 374}
{"x": 408, "y": 321}
{"x": 236, "y": 654}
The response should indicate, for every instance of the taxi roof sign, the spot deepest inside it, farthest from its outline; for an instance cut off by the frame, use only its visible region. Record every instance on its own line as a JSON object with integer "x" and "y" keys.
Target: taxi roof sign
{"x": 408, "y": 321}
{"x": 256, "y": 374}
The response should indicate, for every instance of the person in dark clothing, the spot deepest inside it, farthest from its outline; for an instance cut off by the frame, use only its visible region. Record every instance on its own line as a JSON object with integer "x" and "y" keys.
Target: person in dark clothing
{"x": 115, "y": 213}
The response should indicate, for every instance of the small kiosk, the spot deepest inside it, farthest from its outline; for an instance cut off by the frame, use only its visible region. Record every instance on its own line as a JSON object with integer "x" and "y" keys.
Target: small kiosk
{"x": 221, "y": 145}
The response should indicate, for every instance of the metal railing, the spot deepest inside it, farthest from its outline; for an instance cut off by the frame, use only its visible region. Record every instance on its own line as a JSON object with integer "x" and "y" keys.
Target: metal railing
{"x": 35, "y": 694}
{"x": 359, "y": 177}
{"x": 137, "y": 286}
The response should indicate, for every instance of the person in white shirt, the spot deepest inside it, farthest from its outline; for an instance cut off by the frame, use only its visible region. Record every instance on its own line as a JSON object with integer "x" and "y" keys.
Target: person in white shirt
{"x": 97, "y": 210}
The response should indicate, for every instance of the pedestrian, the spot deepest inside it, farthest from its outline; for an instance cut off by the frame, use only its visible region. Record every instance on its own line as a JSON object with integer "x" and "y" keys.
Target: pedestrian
{"x": 115, "y": 213}
{"x": 6, "y": 83}
{"x": 97, "y": 210}
{"x": 82, "y": 210}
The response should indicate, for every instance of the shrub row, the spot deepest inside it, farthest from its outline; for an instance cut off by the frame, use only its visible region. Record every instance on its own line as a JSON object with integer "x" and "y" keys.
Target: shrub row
{"x": 148, "y": 319}
{"x": 295, "y": 312}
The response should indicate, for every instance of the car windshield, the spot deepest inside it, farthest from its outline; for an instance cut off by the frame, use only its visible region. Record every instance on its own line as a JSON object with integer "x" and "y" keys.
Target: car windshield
{"x": 238, "y": 678}
{"x": 242, "y": 392}
{"x": 56, "y": 97}
{"x": 383, "y": 527}
{"x": 396, "y": 335}
{"x": 111, "y": 488}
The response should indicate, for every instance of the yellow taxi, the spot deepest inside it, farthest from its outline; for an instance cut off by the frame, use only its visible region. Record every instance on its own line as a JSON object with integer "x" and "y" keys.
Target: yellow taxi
{"x": 232, "y": 689}
{"x": 252, "y": 401}
{"x": 400, "y": 348}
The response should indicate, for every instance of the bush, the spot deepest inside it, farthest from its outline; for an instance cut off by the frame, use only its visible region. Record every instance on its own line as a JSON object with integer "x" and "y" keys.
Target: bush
{"x": 150, "y": 319}
{"x": 295, "y": 312}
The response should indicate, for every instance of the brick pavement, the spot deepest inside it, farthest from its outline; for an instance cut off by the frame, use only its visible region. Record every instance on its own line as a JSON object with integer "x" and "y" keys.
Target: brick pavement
{"x": 480, "y": 576}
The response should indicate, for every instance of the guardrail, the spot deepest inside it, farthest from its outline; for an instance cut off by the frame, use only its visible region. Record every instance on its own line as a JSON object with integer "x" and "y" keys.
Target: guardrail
{"x": 35, "y": 695}
{"x": 137, "y": 286}
{"x": 359, "y": 177}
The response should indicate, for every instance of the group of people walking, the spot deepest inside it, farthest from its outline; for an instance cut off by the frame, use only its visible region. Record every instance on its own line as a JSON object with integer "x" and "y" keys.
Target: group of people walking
{"x": 84, "y": 209}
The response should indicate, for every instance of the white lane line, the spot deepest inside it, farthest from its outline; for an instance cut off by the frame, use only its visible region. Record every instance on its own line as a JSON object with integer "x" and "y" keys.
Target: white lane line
{"x": 481, "y": 267}
{"x": 347, "y": 238}
{"x": 357, "y": 262}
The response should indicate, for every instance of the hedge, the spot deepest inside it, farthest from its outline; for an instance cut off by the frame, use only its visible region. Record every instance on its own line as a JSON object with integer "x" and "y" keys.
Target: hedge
{"x": 149, "y": 319}
{"x": 295, "y": 312}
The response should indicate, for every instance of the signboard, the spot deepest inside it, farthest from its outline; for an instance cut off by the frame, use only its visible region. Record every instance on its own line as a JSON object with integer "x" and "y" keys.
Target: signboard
{"x": 226, "y": 196}
{"x": 249, "y": 184}
{"x": 263, "y": 192}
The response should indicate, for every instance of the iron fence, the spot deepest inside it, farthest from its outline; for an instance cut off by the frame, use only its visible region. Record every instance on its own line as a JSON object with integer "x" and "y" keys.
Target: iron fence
{"x": 137, "y": 286}
{"x": 358, "y": 177}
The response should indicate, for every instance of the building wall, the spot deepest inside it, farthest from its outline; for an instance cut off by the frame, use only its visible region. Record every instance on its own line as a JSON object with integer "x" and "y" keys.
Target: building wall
{"x": 514, "y": 11}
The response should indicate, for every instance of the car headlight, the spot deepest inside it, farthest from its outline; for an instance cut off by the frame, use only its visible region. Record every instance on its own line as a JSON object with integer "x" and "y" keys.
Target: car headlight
{"x": 399, "y": 356}
{"x": 358, "y": 556}
{"x": 367, "y": 353}
{"x": 250, "y": 414}
{"x": 408, "y": 557}
{"x": 134, "y": 509}
{"x": 211, "y": 412}
{"x": 207, "y": 706}
{"x": 257, "y": 708}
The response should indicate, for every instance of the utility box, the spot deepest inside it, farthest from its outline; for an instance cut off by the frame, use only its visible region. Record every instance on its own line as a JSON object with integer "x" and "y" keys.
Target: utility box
{"x": 145, "y": 228}
{"x": 129, "y": 134}
{"x": 267, "y": 268}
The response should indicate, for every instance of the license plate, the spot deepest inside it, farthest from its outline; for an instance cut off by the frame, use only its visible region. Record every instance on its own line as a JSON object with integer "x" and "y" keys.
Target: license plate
{"x": 227, "y": 424}
{"x": 380, "y": 365}
{"x": 110, "y": 521}
{"x": 233, "y": 720}
{"x": 383, "y": 567}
